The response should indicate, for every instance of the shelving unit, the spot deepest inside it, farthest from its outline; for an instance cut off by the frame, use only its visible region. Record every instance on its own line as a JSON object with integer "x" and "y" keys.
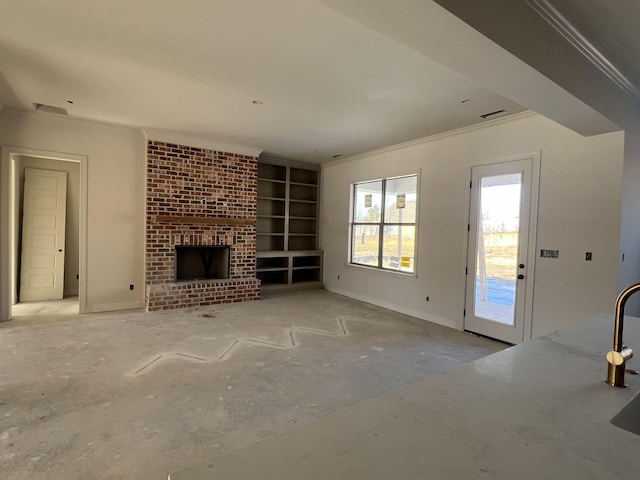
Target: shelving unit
{"x": 287, "y": 226}
{"x": 292, "y": 270}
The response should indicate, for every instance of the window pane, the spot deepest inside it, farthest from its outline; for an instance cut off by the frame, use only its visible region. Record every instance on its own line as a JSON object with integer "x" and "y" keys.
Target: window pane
{"x": 401, "y": 200}
{"x": 398, "y": 248}
{"x": 364, "y": 244}
{"x": 368, "y": 202}
{"x": 497, "y": 252}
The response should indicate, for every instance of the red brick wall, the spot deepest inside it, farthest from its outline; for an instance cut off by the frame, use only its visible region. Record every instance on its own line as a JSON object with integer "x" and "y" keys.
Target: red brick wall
{"x": 195, "y": 182}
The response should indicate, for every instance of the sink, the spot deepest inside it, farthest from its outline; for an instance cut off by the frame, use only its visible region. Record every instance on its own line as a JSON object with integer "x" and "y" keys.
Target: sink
{"x": 629, "y": 417}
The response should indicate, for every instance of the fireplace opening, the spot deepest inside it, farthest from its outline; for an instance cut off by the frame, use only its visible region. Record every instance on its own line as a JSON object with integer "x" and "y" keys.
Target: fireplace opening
{"x": 202, "y": 262}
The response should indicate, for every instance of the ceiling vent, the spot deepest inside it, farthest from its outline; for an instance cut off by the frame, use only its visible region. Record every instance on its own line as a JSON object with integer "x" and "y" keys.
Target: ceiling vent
{"x": 41, "y": 107}
{"x": 497, "y": 112}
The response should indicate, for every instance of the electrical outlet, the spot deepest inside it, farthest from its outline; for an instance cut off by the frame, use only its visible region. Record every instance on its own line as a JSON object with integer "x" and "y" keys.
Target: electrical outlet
{"x": 131, "y": 287}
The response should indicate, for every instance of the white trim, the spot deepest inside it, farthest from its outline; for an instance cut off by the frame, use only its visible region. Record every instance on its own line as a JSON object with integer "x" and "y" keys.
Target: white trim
{"x": 84, "y": 228}
{"x": 414, "y": 274}
{"x": 5, "y": 236}
{"x": 507, "y": 159}
{"x": 70, "y": 118}
{"x": 432, "y": 138}
{"x": 6, "y": 244}
{"x": 397, "y": 273}
{"x": 465, "y": 245}
{"x": 111, "y": 307}
{"x": 578, "y": 41}
{"x": 199, "y": 142}
{"x": 532, "y": 234}
{"x": 429, "y": 317}
{"x": 533, "y": 243}
{"x": 285, "y": 162}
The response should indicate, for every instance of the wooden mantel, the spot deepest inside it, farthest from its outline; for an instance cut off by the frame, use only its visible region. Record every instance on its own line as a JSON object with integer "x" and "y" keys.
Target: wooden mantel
{"x": 204, "y": 220}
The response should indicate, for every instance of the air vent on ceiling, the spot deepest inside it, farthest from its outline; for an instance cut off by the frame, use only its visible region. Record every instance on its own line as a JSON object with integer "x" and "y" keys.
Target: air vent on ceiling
{"x": 497, "y": 112}
{"x": 41, "y": 107}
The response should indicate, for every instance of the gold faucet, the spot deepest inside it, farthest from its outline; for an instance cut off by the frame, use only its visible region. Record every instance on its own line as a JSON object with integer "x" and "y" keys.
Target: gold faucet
{"x": 620, "y": 354}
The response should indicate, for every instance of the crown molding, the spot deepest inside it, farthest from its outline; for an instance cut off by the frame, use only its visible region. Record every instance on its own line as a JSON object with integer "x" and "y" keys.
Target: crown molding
{"x": 286, "y": 162}
{"x": 66, "y": 118}
{"x": 578, "y": 41}
{"x": 433, "y": 138}
{"x": 199, "y": 142}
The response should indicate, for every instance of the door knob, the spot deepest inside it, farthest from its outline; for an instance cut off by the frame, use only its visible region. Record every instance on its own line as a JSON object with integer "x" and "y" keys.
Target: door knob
{"x": 520, "y": 277}
{"x": 521, "y": 265}
{"x": 60, "y": 250}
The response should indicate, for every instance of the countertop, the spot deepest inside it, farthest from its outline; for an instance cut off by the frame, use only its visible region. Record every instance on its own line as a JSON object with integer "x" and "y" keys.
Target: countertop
{"x": 539, "y": 410}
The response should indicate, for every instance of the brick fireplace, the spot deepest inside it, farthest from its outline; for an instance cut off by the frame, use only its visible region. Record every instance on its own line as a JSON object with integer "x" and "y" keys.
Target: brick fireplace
{"x": 199, "y": 197}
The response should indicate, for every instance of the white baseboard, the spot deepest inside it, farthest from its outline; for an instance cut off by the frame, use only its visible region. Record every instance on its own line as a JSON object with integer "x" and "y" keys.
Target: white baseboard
{"x": 110, "y": 307}
{"x": 429, "y": 317}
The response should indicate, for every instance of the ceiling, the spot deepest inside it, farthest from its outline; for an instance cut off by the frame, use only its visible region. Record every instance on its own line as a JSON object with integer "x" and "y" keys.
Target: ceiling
{"x": 324, "y": 84}
{"x": 586, "y": 48}
{"x": 611, "y": 26}
{"x": 301, "y": 79}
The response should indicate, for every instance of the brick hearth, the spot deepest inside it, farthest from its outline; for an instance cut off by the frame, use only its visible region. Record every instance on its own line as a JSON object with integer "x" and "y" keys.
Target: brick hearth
{"x": 199, "y": 197}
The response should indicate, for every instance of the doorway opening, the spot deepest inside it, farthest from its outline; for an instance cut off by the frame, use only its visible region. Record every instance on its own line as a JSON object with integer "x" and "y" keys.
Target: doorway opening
{"x": 44, "y": 210}
{"x": 501, "y": 249}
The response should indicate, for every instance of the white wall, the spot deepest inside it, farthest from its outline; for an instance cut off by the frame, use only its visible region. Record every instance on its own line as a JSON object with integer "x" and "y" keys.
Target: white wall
{"x": 630, "y": 224}
{"x": 579, "y": 211}
{"x": 72, "y": 227}
{"x": 115, "y": 200}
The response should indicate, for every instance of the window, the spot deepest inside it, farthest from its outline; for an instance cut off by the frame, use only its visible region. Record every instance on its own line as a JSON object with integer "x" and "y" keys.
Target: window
{"x": 383, "y": 226}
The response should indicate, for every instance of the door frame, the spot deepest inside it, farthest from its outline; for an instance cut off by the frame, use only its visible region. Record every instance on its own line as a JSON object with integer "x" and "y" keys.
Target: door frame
{"x": 8, "y": 223}
{"x": 532, "y": 237}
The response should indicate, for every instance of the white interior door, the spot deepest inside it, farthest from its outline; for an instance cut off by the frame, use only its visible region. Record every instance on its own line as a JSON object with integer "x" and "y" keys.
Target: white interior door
{"x": 499, "y": 232}
{"x": 43, "y": 229}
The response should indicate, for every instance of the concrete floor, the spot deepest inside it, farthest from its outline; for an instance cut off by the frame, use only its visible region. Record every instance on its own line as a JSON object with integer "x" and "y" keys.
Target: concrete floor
{"x": 131, "y": 395}
{"x": 68, "y": 306}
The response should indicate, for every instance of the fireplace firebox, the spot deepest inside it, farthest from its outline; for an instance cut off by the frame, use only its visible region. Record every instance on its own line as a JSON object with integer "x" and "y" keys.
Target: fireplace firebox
{"x": 202, "y": 262}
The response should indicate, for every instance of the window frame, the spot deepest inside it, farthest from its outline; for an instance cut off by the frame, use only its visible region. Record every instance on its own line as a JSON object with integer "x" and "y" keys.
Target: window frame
{"x": 381, "y": 224}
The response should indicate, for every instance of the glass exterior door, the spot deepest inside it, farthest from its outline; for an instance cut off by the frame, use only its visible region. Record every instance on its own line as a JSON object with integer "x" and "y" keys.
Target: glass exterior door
{"x": 497, "y": 251}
